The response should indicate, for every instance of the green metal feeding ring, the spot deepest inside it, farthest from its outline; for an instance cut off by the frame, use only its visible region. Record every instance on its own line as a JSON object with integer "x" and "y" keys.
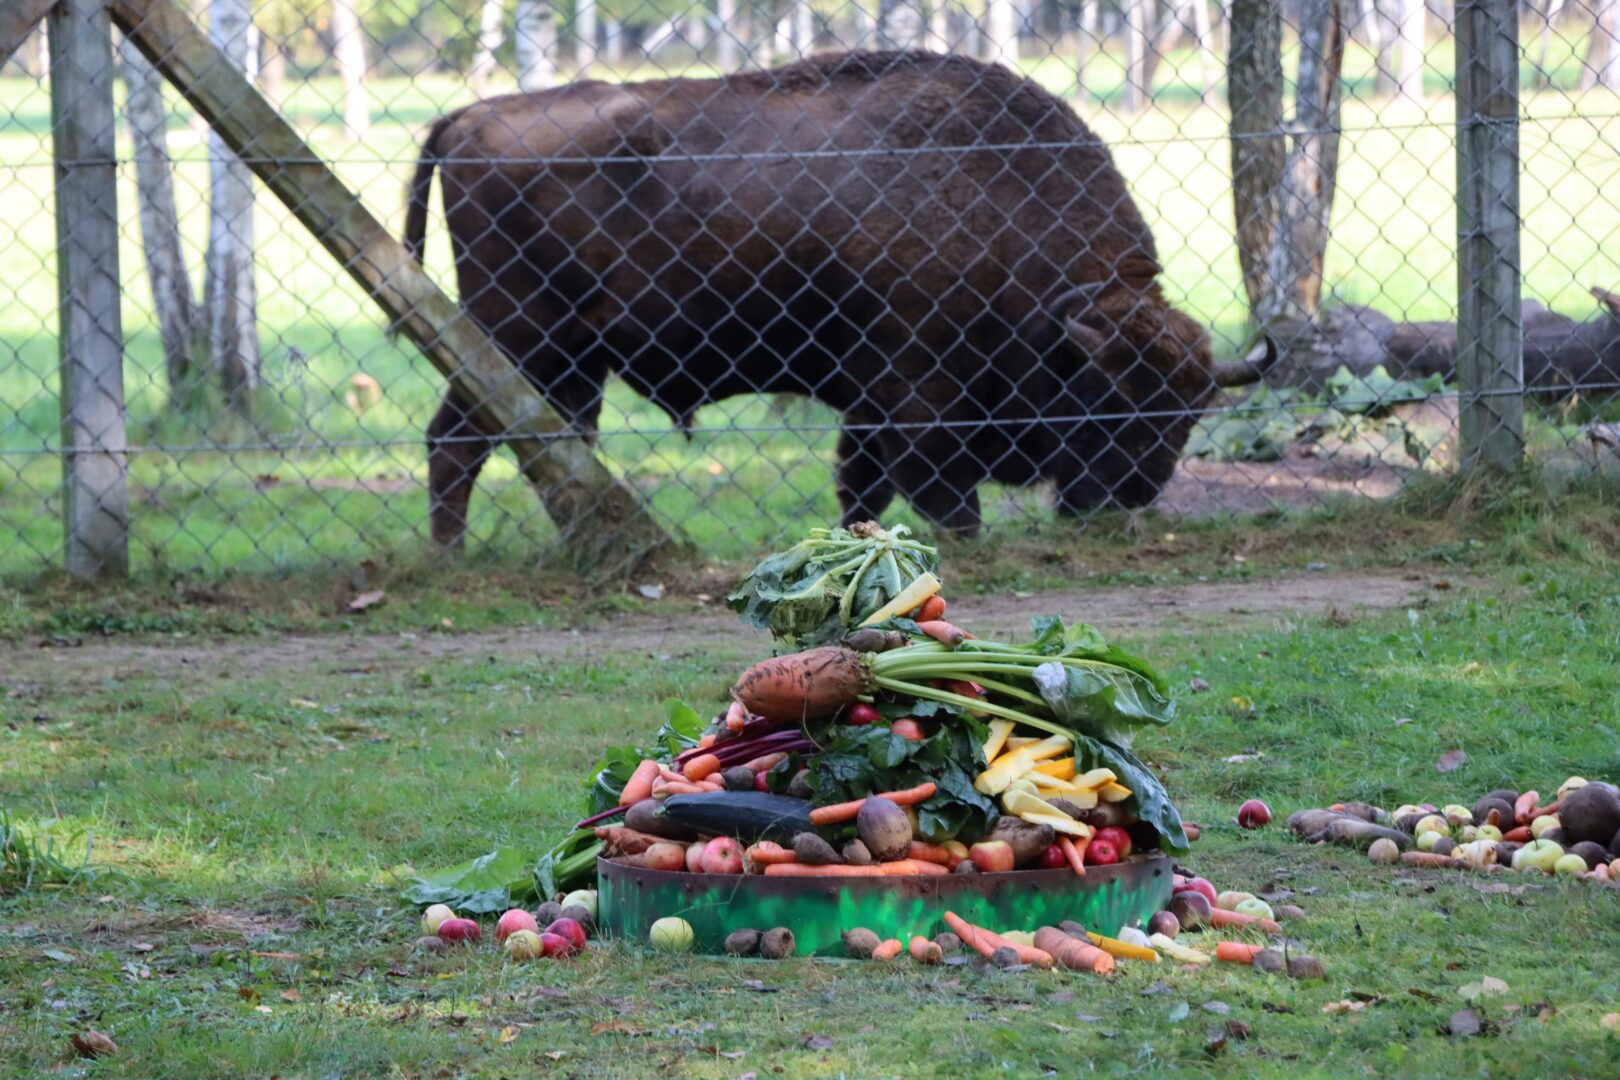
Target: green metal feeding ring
{"x": 819, "y": 910}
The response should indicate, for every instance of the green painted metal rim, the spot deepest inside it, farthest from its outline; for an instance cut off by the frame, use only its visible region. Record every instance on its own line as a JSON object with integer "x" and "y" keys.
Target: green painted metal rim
{"x": 819, "y": 910}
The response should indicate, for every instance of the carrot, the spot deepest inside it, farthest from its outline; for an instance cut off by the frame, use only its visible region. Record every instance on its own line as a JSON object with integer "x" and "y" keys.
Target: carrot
{"x": 1524, "y": 807}
{"x": 640, "y": 784}
{"x": 838, "y": 813}
{"x": 931, "y": 609}
{"x": 1124, "y": 950}
{"x": 924, "y": 951}
{"x": 765, "y": 763}
{"x": 943, "y": 632}
{"x": 709, "y": 784}
{"x": 902, "y": 868}
{"x": 1520, "y": 835}
{"x": 806, "y": 685}
{"x": 681, "y": 787}
{"x": 887, "y": 950}
{"x": 1220, "y": 918}
{"x": 626, "y": 841}
{"x": 1071, "y": 953}
{"x": 1426, "y": 858}
{"x": 907, "y": 728}
{"x": 701, "y": 766}
{"x": 766, "y": 853}
{"x": 985, "y": 942}
{"x": 1072, "y": 852}
{"x": 1236, "y": 952}
{"x": 736, "y": 717}
{"x": 668, "y": 773}
{"x": 1551, "y": 808}
{"x": 660, "y": 788}
{"x": 930, "y": 853}
{"x": 707, "y": 740}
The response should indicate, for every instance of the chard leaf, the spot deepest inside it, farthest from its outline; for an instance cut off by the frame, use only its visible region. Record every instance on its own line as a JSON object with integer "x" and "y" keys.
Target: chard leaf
{"x": 1100, "y": 698}
{"x": 490, "y": 883}
{"x": 1149, "y": 801}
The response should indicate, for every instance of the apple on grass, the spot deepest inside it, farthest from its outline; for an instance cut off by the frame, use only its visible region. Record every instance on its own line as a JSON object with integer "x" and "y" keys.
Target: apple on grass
{"x": 1253, "y": 814}
{"x": 555, "y": 945}
{"x": 570, "y": 931}
{"x": 513, "y": 921}
{"x": 1538, "y": 855}
{"x": 524, "y": 945}
{"x": 459, "y": 930}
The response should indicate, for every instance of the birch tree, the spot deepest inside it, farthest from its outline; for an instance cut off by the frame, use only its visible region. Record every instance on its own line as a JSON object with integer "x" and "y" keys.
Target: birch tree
{"x": 1602, "y": 60}
{"x": 1001, "y": 32}
{"x": 490, "y": 15}
{"x": 349, "y": 50}
{"x": 229, "y": 293}
{"x": 900, "y": 23}
{"x": 1411, "y": 15}
{"x": 584, "y": 35}
{"x": 172, "y": 302}
{"x": 534, "y": 39}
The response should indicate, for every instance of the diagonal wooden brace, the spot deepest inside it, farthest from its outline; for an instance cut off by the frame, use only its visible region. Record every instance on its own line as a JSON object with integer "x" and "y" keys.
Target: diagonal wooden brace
{"x": 597, "y": 516}
{"x": 17, "y": 20}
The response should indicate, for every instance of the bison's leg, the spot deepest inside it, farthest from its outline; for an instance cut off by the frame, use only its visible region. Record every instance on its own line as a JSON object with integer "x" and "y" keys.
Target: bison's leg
{"x": 864, "y": 487}
{"x": 457, "y": 451}
{"x": 940, "y": 477}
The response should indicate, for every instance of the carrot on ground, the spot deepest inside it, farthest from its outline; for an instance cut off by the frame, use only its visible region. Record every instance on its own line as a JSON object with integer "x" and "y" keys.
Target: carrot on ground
{"x": 932, "y": 608}
{"x": 838, "y": 813}
{"x": 943, "y": 632}
{"x": 701, "y": 766}
{"x": 924, "y": 951}
{"x": 985, "y": 942}
{"x": 887, "y": 950}
{"x": 1524, "y": 807}
{"x": 640, "y": 784}
{"x": 1519, "y": 834}
{"x": 736, "y": 717}
{"x": 1124, "y": 950}
{"x": 1236, "y": 952}
{"x": 1427, "y": 858}
{"x": 1072, "y": 953}
{"x": 1220, "y": 918}
{"x": 1074, "y": 853}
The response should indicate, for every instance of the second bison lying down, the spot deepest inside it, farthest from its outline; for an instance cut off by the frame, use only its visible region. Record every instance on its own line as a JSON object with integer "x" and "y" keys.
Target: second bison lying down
{"x": 934, "y": 247}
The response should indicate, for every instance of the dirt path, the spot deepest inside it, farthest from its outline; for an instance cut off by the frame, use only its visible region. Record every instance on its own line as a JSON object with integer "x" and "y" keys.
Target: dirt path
{"x": 678, "y": 627}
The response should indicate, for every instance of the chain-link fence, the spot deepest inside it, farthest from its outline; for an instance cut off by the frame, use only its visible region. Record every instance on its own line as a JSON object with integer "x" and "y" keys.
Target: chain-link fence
{"x": 1013, "y": 271}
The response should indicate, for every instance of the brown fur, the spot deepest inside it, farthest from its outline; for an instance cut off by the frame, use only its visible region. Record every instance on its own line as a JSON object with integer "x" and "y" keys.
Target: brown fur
{"x": 689, "y": 250}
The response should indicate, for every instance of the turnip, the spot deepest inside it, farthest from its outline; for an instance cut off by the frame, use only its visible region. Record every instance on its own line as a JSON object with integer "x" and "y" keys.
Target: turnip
{"x": 513, "y": 921}
{"x": 434, "y": 916}
{"x": 524, "y": 945}
{"x": 722, "y": 857}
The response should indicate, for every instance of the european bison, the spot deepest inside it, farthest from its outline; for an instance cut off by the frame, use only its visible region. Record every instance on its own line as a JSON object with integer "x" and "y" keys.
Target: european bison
{"x": 934, "y": 247}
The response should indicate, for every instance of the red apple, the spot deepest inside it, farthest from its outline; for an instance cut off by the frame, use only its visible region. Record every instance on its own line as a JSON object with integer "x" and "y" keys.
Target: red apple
{"x": 665, "y": 857}
{"x": 1253, "y": 814}
{"x": 694, "y": 856}
{"x": 555, "y": 945}
{"x": 459, "y": 930}
{"x": 861, "y": 714}
{"x": 569, "y": 930}
{"x": 1101, "y": 853}
{"x": 721, "y": 856}
{"x": 513, "y": 921}
{"x": 992, "y": 856}
{"x": 1053, "y": 858}
{"x": 1200, "y": 885}
{"x": 1118, "y": 837}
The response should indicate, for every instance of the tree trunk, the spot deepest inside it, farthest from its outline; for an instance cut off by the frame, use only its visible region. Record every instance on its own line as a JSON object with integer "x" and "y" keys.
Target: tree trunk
{"x": 230, "y": 296}
{"x": 534, "y": 38}
{"x": 349, "y": 50}
{"x": 900, "y": 24}
{"x": 1549, "y": 12}
{"x": 804, "y": 28}
{"x": 1602, "y": 61}
{"x": 1208, "y": 66}
{"x": 489, "y": 39}
{"x": 697, "y": 30}
{"x": 1255, "y": 93}
{"x": 726, "y": 36}
{"x": 1087, "y": 43}
{"x": 939, "y": 26}
{"x": 1001, "y": 32}
{"x": 172, "y": 302}
{"x": 1311, "y": 174}
{"x": 1137, "y": 19}
{"x": 1411, "y": 17}
{"x": 584, "y": 35}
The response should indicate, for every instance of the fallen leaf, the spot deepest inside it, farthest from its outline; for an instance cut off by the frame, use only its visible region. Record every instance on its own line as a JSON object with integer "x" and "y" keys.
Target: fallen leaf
{"x": 1198, "y": 686}
{"x": 1424, "y": 994}
{"x": 367, "y": 600}
{"x": 1219, "y": 1008}
{"x": 292, "y": 995}
{"x": 1178, "y": 1011}
{"x": 61, "y": 957}
{"x": 1344, "y": 1006}
{"x": 1216, "y": 1046}
{"x": 651, "y": 592}
{"x": 262, "y": 1008}
{"x": 509, "y": 1034}
{"x": 759, "y": 987}
{"x": 1486, "y": 986}
{"x": 278, "y": 955}
{"x": 1463, "y": 1023}
{"x": 1451, "y": 761}
{"x": 247, "y": 993}
{"x": 1402, "y": 721}
{"x": 1238, "y": 1029}
{"x": 555, "y": 1055}
{"x": 142, "y": 946}
{"x": 817, "y": 1042}
{"x": 1160, "y": 987}
{"x": 616, "y": 1027}
{"x": 1610, "y": 1021}
{"x": 91, "y": 1043}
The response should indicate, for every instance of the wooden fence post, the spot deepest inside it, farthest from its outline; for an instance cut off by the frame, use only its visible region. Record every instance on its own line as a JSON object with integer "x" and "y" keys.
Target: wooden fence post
{"x": 598, "y": 517}
{"x": 95, "y": 503}
{"x": 1490, "y": 328}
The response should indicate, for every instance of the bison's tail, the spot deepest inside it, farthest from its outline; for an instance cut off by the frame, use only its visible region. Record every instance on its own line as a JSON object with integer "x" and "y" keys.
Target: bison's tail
{"x": 416, "y": 212}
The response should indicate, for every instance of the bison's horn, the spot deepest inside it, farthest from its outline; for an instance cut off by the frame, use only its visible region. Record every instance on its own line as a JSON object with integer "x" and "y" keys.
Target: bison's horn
{"x": 1249, "y": 370}
{"x": 1071, "y": 308}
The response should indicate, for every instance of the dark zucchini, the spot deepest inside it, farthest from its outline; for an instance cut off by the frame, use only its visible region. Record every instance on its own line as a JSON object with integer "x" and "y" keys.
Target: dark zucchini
{"x": 747, "y": 815}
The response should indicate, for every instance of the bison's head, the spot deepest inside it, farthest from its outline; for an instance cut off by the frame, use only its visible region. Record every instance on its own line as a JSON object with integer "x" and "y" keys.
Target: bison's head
{"x": 1144, "y": 376}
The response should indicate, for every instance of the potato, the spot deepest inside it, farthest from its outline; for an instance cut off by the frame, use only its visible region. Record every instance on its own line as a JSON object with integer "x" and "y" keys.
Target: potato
{"x": 742, "y": 942}
{"x": 776, "y": 944}
{"x": 948, "y": 943}
{"x": 860, "y": 942}
{"x": 884, "y": 829}
{"x": 1005, "y": 957}
{"x": 813, "y": 850}
{"x": 738, "y": 778}
{"x": 855, "y": 854}
{"x": 1028, "y": 841}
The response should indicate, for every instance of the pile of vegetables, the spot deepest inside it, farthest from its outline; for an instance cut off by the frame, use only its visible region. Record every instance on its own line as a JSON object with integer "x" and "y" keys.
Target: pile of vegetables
{"x": 896, "y": 744}
{"x": 1577, "y": 833}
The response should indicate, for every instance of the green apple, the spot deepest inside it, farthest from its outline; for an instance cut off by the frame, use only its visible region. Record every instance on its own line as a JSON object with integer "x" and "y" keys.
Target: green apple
{"x": 1469, "y": 834}
{"x": 1457, "y": 814}
{"x": 1478, "y": 853}
{"x": 1433, "y": 823}
{"x": 1570, "y": 785}
{"x": 434, "y": 915}
{"x": 1426, "y": 841}
{"x": 1402, "y": 811}
{"x": 1256, "y": 907}
{"x": 1228, "y": 901}
{"x": 1537, "y": 855}
{"x": 1488, "y": 832}
{"x": 1542, "y": 824}
{"x": 671, "y": 934}
{"x": 1569, "y": 864}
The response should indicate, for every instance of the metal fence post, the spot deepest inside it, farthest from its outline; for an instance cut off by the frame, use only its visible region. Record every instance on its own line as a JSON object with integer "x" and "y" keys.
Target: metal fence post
{"x": 95, "y": 505}
{"x": 1490, "y": 328}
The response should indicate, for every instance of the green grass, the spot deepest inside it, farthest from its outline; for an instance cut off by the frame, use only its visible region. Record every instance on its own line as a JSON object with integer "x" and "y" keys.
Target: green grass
{"x": 264, "y": 809}
{"x": 314, "y": 483}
